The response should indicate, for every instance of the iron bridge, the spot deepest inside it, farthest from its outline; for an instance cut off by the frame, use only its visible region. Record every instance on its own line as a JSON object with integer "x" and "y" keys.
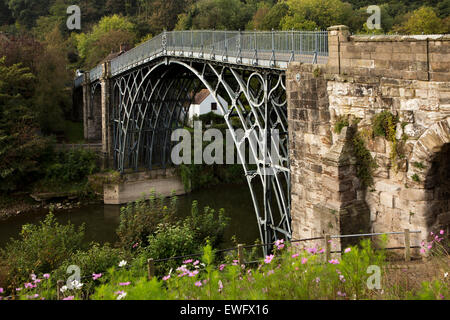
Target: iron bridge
{"x": 152, "y": 87}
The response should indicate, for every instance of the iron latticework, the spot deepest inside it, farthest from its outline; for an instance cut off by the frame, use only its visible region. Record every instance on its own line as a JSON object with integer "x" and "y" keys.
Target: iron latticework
{"x": 153, "y": 85}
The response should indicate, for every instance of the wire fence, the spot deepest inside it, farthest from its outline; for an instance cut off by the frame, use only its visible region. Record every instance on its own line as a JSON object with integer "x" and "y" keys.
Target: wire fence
{"x": 151, "y": 263}
{"x": 258, "y": 48}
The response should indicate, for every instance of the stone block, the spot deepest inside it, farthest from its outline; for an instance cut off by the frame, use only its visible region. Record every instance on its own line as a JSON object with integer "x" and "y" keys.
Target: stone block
{"x": 387, "y": 200}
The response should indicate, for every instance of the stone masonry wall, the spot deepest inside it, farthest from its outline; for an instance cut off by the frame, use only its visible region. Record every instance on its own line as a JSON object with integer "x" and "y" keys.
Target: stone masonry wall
{"x": 408, "y": 76}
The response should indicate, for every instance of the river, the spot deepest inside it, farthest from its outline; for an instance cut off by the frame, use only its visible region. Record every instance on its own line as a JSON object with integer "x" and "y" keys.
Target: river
{"x": 102, "y": 220}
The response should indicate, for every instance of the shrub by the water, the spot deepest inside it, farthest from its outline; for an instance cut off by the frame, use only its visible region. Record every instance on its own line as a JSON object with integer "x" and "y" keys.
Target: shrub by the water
{"x": 41, "y": 248}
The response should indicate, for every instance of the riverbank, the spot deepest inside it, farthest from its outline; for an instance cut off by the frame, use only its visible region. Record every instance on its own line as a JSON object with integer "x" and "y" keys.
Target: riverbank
{"x": 23, "y": 205}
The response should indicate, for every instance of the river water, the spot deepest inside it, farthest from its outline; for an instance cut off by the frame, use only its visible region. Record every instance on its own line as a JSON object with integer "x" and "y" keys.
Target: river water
{"x": 101, "y": 221}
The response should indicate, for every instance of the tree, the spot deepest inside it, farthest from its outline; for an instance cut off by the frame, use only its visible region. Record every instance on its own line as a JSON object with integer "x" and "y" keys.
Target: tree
{"x": 258, "y": 18}
{"x": 217, "y": 14}
{"x": 5, "y": 13}
{"x": 52, "y": 99}
{"x": 21, "y": 149}
{"x": 27, "y": 11}
{"x": 312, "y": 14}
{"x": 272, "y": 19}
{"x": 105, "y": 37}
{"x": 423, "y": 20}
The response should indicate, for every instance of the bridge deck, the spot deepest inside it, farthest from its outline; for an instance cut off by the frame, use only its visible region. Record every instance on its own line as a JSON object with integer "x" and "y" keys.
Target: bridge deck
{"x": 274, "y": 50}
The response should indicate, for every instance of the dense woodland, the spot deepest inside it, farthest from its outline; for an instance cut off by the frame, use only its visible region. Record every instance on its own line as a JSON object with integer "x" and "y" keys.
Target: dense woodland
{"x": 39, "y": 54}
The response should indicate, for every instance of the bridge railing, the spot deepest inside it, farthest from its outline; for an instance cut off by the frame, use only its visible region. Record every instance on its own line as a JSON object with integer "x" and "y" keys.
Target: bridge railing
{"x": 272, "y": 46}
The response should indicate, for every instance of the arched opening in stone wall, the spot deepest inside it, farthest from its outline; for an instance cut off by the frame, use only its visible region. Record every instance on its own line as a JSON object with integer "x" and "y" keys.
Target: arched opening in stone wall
{"x": 438, "y": 180}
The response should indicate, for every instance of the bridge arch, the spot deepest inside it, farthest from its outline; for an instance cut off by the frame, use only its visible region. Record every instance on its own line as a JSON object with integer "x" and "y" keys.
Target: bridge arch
{"x": 430, "y": 168}
{"x": 149, "y": 103}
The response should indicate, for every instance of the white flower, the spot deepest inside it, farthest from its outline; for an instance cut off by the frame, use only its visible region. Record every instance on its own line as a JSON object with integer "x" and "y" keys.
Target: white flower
{"x": 63, "y": 289}
{"x": 76, "y": 285}
{"x": 121, "y": 296}
{"x": 446, "y": 275}
{"x": 122, "y": 263}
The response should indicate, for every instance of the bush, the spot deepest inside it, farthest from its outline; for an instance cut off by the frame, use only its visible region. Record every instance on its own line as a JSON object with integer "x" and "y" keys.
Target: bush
{"x": 42, "y": 248}
{"x": 73, "y": 166}
{"x": 140, "y": 219}
{"x": 168, "y": 241}
{"x": 207, "y": 226}
{"x": 98, "y": 259}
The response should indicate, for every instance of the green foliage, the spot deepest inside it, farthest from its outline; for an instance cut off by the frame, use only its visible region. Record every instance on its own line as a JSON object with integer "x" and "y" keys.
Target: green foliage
{"x": 97, "y": 259}
{"x": 72, "y": 166}
{"x": 312, "y": 14}
{"x": 419, "y": 165}
{"x": 140, "y": 220}
{"x": 171, "y": 238}
{"x": 40, "y": 249}
{"x": 423, "y": 20}
{"x": 385, "y": 125}
{"x": 364, "y": 162}
{"x": 217, "y": 14}
{"x": 207, "y": 225}
{"x": 285, "y": 277}
{"x": 340, "y": 124}
{"x": 105, "y": 37}
{"x": 415, "y": 178}
{"x": 21, "y": 148}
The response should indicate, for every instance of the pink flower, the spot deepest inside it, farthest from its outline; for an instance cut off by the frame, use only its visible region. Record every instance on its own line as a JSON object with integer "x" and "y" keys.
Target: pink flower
{"x": 18, "y": 289}
{"x": 422, "y": 250}
{"x": 96, "y": 276}
{"x": 312, "y": 250}
{"x": 279, "y": 244}
{"x": 342, "y": 278}
{"x": 124, "y": 284}
{"x": 304, "y": 261}
{"x": 37, "y": 281}
{"x": 166, "y": 278}
{"x": 188, "y": 261}
{"x": 1, "y": 290}
{"x": 222, "y": 266}
{"x": 270, "y": 272}
{"x": 322, "y": 251}
{"x": 235, "y": 262}
{"x": 198, "y": 284}
{"x": 135, "y": 245}
{"x": 46, "y": 276}
{"x": 69, "y": 298}
{"x": 196, "y": 263}
{"x": 348, "y": 250}
{"x": 193, "y": 274}
{"x": 341, "y": 294}
{"x": 317, "y": 280}
{"x": 334, "y": 261}
{"x": 295, "y": 256}
{"x": 269, "y": 259}
{"x": 441, "y": 232}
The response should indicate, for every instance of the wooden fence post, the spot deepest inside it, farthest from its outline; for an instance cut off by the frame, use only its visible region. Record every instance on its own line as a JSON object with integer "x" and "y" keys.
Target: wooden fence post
{"x": 241, "y": 254}
{"x": 59, "y": 285}
{"x": 407, "y": 245}
{"x": 327, "y": 247}
{"x": 151, "y": 269}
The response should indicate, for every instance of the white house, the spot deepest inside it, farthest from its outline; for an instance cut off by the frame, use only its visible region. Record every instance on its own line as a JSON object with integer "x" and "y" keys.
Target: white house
{"x": 204, "y": 103}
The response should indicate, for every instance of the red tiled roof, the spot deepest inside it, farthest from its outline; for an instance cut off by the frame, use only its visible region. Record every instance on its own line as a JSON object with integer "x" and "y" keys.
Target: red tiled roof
{"x": 201, "y": 96}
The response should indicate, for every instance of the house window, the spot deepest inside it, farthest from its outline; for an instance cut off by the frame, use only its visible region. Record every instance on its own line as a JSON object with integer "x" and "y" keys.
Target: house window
{"x": 214, "y": 106}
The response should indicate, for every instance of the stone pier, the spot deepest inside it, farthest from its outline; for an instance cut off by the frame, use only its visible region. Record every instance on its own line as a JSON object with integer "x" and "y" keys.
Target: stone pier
{"x": 409, "y": 76}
